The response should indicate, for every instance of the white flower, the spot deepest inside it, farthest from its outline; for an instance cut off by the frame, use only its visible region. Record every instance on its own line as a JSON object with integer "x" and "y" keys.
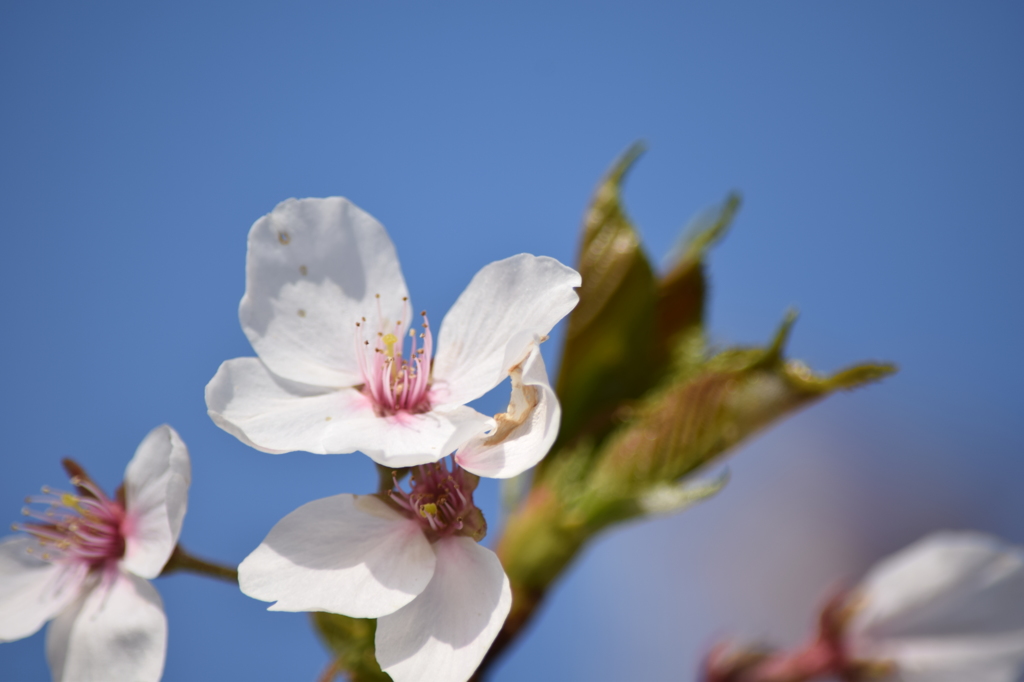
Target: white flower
{"x": 412, "y": 562}
{"x": 85, "y": 565}
{"x": 327, "y": 311}
{"x": 949, "y": 608}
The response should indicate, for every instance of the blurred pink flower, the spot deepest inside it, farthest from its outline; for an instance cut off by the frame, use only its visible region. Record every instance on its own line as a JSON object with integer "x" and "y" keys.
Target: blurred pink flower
{"x": 85, "y": 565}
{"x": 949, "y": 608}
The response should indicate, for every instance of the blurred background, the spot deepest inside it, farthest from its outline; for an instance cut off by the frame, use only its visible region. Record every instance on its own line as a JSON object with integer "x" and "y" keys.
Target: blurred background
{"x": 880, "y": 154}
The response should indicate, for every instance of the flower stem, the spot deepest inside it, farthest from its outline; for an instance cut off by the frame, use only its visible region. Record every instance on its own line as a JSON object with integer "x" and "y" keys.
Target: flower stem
{"x": 386, "y": 477}
{"x": 331, "y": 672}
{"x": 183, "y": 561}
{"x": 535, "y": 549}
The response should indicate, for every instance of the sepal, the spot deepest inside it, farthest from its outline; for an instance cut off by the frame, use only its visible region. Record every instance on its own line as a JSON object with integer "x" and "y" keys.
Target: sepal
{"x": 350, "y": 641}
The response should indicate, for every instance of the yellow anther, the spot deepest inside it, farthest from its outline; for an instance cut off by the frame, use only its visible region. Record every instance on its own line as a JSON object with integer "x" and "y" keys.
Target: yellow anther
{"x": 389, "y": 342}
{"x": 428, "y": 508}
{"x": 69, "y": 500}
{"x": 412, "y": 333}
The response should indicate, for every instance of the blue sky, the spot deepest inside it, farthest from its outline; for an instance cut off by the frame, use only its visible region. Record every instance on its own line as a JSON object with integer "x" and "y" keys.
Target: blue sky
{"x": 878, "y": 148}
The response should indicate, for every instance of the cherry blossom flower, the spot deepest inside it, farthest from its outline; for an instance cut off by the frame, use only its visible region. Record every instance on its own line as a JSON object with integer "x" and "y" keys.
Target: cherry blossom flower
{"x": 343, "y": 366}
{"x": 409, "y": 559}
{"x": 949, "y": 608}
{"x": 85, "y": 563}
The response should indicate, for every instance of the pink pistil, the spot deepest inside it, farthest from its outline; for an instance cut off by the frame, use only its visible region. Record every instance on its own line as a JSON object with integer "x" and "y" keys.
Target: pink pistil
{"x": 441, "y": 501}
{"x": 394, "y": 381}
{"x": 84, "y": 528}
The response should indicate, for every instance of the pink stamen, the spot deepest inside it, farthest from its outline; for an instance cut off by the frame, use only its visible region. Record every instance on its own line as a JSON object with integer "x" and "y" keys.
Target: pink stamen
{"x": 395, "y": 382}
{"x": 79, "y": 529}
{"x": 439, "y": 500}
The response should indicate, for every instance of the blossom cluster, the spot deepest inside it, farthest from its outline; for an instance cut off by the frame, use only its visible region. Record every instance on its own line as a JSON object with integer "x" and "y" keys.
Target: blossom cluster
{"x": 328, "y": 313}
{"x": 344, "y": 363}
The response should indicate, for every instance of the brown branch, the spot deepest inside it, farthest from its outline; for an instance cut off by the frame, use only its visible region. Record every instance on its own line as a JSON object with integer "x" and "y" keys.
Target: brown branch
{"x": 183, "y": 561}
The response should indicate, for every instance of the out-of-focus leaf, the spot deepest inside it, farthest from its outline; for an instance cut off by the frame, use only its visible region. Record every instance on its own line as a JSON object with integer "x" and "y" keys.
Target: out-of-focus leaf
{"x": 688, "y": 423}
{"x": 669, "y": 498}
{"x": 609, "y": 354}
{"x": 682, "y": 292}
{"x": 351, "y": 642}
{"x": 629, "y": 324}
{"x": 645, "y": 403}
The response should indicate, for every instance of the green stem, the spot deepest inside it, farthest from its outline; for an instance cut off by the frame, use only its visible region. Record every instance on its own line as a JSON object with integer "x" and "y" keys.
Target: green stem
{"x": 183, "y": 561}
{"x": 535, "y": 549}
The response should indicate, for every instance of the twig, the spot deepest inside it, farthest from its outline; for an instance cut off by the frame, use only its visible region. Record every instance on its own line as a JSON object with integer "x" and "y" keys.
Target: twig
{"x": 183, "y": 561}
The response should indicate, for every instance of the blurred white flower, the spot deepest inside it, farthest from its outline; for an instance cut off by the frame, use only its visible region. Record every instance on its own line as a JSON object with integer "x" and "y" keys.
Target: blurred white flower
{"x": 327, "y": 311}
{"x": 85, "y": 564}
{"x": 411, "y": 561}
{"x": 949, "y": 608}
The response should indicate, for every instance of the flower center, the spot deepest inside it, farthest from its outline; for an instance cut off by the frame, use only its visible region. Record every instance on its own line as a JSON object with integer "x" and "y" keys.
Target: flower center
{"x": 83, "y": 528}
{"x": 442, "y": 501}
{"x": 394, "y": 380}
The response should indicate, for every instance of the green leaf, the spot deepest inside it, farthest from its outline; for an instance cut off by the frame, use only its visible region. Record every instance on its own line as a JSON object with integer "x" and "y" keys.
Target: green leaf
{"x": 670, "y": 498}
{"x": 682, "y": 292}
{"x": 609, "y": 352}
{"x": 695, "y": 419}
{"x": 351, "y": 642}
{"x": 629, "y": 325}
{"x": 645, "y": 403}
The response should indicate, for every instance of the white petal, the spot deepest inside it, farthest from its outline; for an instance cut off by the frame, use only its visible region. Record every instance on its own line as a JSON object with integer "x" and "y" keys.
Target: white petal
{"x": 445, "y": 632}
{"x": 960, "y": 660}
{"x": 950, "y": 606}
{"x": 32, "y": 591}
{"x": 506, "y": 305}
{"x": 404, "y": 440}
{"x": 345, "y": 554}
{"x": 313, "y": 269}
{"x": 156, "y": 496}
{"x": 276, "y": 415}
{"x": 116, "y": 632}
{"x": 525, "y": 432}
